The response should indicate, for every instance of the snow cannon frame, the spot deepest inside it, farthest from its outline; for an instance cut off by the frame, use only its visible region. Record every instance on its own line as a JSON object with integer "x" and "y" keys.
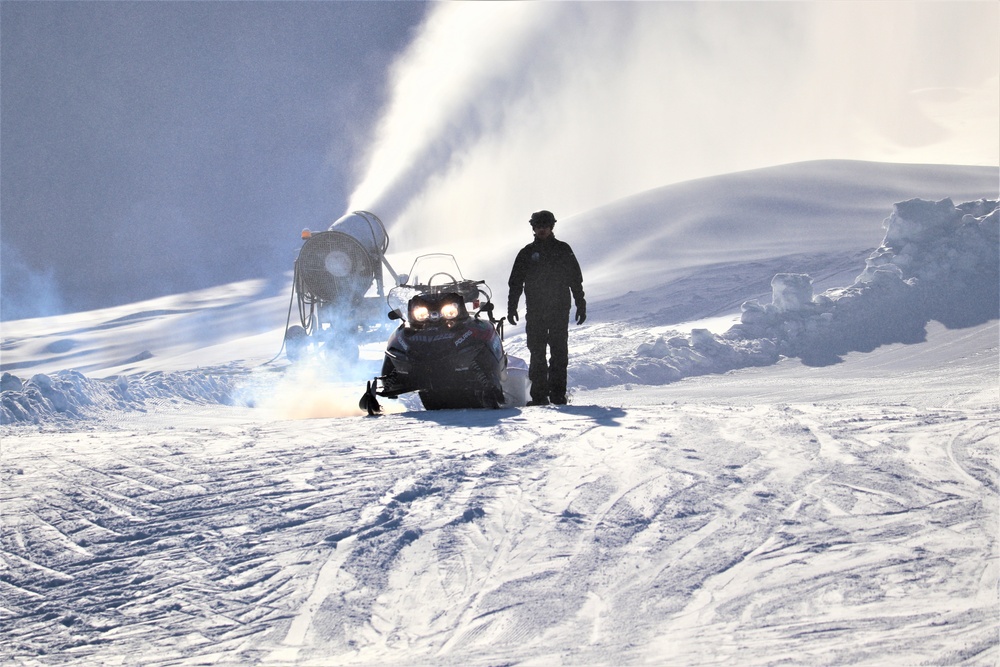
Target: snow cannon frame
{"x": 334, "y": 272}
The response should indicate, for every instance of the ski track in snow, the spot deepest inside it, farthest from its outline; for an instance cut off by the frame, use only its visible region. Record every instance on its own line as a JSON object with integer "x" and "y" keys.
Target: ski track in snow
{"x": 700, "y": 502}
{"x": 702, "y": 533}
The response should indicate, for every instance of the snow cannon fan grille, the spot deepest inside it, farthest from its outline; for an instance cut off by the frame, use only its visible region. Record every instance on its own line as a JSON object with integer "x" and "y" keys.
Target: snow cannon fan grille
{"x": 335, "y": 267}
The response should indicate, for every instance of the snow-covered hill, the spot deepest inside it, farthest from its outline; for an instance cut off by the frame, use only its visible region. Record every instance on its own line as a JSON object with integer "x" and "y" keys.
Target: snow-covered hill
{"x": 781, "y": 448}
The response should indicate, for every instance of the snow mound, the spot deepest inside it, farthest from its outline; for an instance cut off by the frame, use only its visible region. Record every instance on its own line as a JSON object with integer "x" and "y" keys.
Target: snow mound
{"x": 937, "y": 261}
{"x": 70, "y": 395}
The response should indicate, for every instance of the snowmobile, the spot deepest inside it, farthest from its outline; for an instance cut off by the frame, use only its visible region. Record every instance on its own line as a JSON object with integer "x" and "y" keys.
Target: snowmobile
{"x": 443, "y": 349}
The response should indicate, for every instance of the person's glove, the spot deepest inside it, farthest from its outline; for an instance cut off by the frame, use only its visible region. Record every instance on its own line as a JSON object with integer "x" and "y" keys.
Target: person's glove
{"x": 512, "y": 316}
{"x": 581, "y": 313}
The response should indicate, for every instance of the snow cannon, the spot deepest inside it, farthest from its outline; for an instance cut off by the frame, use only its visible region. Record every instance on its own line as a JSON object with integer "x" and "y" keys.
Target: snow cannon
{"x": 339, "y": 287}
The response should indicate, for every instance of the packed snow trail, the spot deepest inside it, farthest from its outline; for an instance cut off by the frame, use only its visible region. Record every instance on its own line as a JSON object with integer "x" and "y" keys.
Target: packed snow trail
{"x": 680, "y": 534}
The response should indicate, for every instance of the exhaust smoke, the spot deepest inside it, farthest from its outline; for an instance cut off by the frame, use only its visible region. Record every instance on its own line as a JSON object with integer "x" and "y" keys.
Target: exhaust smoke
{"x": 306, "y": 392}
{"x": 313, "y": 388}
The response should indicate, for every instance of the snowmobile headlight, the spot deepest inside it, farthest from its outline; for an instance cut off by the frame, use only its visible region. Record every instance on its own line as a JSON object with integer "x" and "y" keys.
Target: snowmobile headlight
{"x": 449, "y": 311}
{"x": 420, "y": 313}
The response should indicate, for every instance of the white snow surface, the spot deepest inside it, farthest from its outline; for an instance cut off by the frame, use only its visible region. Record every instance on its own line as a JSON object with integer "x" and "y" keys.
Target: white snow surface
{"x": 781, "y": 448}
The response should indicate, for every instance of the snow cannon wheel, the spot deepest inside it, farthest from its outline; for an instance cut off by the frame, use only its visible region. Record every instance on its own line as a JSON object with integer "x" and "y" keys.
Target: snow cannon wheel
{"x": 369, "y": 402}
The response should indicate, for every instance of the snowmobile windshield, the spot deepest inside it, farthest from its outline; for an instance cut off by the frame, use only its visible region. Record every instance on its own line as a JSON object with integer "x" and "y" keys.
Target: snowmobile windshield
{"x": 432, "y": 275}
{"x": 435, "y": 270}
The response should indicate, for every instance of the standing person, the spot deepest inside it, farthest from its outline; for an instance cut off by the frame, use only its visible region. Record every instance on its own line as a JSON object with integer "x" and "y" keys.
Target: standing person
{"x": 547, "y": 271}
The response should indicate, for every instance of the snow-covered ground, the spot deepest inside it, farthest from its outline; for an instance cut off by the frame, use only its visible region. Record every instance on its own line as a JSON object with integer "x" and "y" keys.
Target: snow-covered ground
{"x": 756, "y": 467}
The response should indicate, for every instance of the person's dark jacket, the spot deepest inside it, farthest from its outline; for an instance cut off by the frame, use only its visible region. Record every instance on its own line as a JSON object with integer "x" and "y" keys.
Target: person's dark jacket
{"x": 548, "y": 273}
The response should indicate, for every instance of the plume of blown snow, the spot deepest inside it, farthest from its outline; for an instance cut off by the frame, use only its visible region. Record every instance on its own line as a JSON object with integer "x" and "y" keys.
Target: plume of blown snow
{"x": 500, "y": 109}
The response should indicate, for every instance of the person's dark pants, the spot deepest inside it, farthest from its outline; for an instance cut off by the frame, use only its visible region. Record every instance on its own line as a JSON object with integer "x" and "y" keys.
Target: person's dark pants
{"x": 548, "y": 376}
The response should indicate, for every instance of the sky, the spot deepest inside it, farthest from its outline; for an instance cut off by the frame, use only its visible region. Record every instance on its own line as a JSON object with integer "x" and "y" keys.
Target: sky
{"x": 154, "y": 148}
{"x": 149, "y": 148}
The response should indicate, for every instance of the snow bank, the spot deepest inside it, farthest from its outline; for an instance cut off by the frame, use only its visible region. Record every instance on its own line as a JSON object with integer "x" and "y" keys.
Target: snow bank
{"x": 937, "y": 261}
{"x": 70, "y": 395}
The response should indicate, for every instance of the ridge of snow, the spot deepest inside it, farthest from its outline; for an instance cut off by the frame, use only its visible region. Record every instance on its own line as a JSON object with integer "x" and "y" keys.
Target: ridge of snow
{"x": 937, "y": 261}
